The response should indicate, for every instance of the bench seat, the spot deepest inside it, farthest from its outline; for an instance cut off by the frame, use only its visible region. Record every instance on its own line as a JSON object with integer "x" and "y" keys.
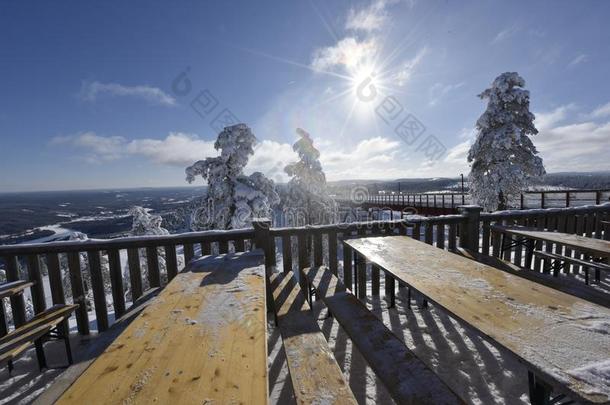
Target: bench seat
{"x": 572, "y": 260}
{"x": 407, "y": 378}
{"x": 314, "y": 371}
{"x": 30, "y": 333}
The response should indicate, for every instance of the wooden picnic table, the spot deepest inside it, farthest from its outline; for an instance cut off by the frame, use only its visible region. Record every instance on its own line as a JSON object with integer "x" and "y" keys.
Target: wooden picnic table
{"x": 203, "y": 340}
{"x": 595, "y": 247}
{"x": 563, "y": 340}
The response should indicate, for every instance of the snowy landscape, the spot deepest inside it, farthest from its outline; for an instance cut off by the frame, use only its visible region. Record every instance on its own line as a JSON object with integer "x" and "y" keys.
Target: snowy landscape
{"x": 372, "y": 202}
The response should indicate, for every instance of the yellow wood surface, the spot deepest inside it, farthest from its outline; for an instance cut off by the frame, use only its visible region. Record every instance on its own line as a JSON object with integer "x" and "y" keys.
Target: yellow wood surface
{"x": 555, "y": 334}
{"x": 314, "y": 372}
{"x": 202, "y": 341}
{"x": 597, "y": 247}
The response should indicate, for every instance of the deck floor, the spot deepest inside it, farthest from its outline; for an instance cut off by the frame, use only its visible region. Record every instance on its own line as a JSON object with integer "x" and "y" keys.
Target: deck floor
{"x": 474, "y": 368}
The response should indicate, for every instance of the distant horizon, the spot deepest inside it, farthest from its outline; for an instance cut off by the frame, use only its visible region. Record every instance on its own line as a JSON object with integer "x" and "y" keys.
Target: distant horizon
{"x": 195, "y": 186}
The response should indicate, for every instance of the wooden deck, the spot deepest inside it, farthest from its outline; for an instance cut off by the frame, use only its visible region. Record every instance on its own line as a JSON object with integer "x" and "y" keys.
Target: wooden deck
{"x": 558, "y": 336}
{"x": 202, "y": 340}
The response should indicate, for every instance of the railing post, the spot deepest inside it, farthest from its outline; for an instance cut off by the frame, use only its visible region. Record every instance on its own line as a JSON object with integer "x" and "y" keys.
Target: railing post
{"x": 469, "y": 232}
{"x": 262, "y": 239}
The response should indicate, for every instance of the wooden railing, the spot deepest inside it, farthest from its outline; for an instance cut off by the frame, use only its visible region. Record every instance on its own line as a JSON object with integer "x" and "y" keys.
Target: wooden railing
{"x": 526, "y": 200}
{"x": 587, "y": 221}
{"x": 145, "y": 250}
{"x": 287, "y": 248}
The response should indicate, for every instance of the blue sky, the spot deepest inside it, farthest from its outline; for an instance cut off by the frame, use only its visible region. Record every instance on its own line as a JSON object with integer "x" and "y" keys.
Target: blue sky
{"x": 87, "y": 97}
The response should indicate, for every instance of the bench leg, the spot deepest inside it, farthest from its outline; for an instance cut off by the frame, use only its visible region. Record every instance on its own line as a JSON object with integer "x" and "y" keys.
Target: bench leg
{"x": 63, "y": 332}
{"x": 540, "y": 392}
{"x": 390, "y": 290}
{"x": 42, "y": 361}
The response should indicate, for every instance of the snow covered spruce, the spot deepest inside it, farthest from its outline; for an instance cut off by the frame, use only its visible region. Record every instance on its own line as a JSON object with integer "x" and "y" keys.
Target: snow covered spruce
{"x": 504, "y": 159}
{"x": 307, "y": 201}
{"x": 233, "y": 198}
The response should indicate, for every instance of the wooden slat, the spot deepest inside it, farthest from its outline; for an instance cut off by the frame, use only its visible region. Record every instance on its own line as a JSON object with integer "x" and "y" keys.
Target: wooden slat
{"x": 360, "y": 276}
{"x": 189, "y": 253}
{"x": 135, "y": 273}
{"x": 55, "y": 282}
{"x": 203, "y": 339}
{"x": 14, "y": 287}
{"x": 223, "y": 247}
{"x": 171, "y": 262}
{"x": 428, "y": 234}
{"x": 152, "y": 264}
{"x": 239, "y": 245}
{"x": 313, "y": 369}
{"x": 35, "y": 276}
{"x": 97, "y": 286}
{"x": 116, "y": 282}
{"x": 452, "y": 237}
{"x": 417, "y": 231}
{"x": 287, "y": 253}
{"x": 303, "y": 257}
{"x": 317, "y": 249}
{"x": 17, "y": 301}
{"x": 347, "y": 266}
{"x": 78, "y": 292}
{"x": 375, "y": 280}
{"x": 206, "y": 248}
{"x": 332, "y": 252}
{"x": 440, "y": 236}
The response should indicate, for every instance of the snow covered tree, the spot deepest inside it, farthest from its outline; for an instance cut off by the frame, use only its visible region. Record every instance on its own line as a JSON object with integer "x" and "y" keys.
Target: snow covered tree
{"x": 147, "y": 224}
{"x": 85, "y": 273}
{"x": 233, "y": 199}
{"x": 503, "y": 158}
{"x": 307, "y": 200}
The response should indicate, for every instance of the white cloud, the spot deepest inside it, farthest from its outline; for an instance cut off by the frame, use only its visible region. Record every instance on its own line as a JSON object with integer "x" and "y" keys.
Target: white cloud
{"x": 406, "y": 70}
{"x": 371, "y": 18}
{"x": 601, "y": 111}
{"x": 177, "y": 149}
{"x": 90, "y": 91}
{"x": 348, "y": 53}
{"x": 582, "y": 58}
{"x": 549, "y": 119}
{"x": 439, "y": 90}
{"x": 505, "y": 34}
{"x": 576, "y": 146}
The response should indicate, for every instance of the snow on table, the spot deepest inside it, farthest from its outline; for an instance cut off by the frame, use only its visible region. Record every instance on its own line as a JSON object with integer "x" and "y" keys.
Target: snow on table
{"x": 563, "y": 338}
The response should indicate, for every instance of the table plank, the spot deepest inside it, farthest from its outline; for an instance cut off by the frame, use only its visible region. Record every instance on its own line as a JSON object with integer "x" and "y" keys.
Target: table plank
{"x": 202, "y": 340}
{"x": 557, "y": 335}
{"x": 597, "y": 247}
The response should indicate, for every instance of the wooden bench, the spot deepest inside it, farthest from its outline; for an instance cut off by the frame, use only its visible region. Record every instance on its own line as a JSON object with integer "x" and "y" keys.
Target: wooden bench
{"x": 45, "y": 326}
{"x": 407, "y": 378}
{"x": 557, "y": 261}
{"x": 315, "y": 374}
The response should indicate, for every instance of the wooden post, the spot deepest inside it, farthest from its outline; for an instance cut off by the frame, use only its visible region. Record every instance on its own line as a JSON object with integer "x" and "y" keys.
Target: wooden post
{"x": 78, "y": 292}
{"x": 37, "y": 289}
{"x": 262, "y": 239}
{"x": 17, "y": 302}
{"x": 469, "y": 232}
{"x": 567, "y": 199}
{"x": 522, "y": 201}
{"x": 542, "y": 202}
{"x": 116, "y": 280}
